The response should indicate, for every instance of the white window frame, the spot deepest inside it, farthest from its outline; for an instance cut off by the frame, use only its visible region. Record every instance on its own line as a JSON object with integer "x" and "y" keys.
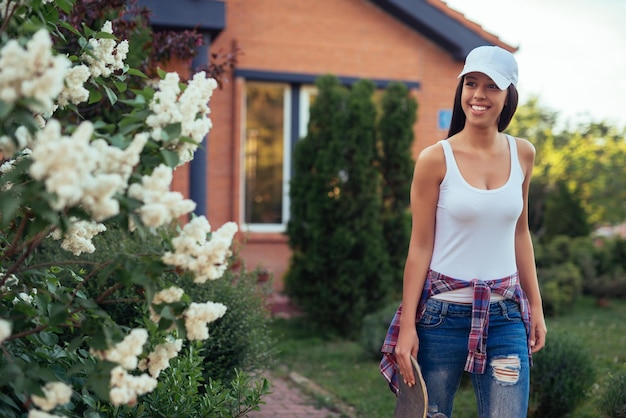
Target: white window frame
{"x": 287, "y": 109}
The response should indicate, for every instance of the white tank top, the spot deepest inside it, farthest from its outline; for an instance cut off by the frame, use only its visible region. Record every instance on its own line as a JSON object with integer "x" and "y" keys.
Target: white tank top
{"x": 475, "y": 228}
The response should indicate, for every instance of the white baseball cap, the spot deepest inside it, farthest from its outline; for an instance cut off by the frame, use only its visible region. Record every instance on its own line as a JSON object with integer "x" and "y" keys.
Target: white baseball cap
{"x": 497, "y": 63}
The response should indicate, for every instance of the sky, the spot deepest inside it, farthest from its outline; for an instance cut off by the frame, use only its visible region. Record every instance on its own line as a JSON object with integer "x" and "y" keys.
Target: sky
{"x": 572, "y": 53}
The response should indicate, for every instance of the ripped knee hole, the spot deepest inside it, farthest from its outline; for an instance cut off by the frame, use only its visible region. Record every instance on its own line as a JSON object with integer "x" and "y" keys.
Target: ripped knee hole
{"x": 506, "y": 369}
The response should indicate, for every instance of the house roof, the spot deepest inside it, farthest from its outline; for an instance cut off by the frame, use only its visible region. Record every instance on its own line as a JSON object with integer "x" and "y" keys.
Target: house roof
{"x": 448, "y": 28}
{"x": 207, "y": 16}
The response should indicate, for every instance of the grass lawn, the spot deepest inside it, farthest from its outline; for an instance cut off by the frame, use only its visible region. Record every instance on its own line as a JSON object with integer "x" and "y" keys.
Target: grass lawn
{"x": 342, "y": 368}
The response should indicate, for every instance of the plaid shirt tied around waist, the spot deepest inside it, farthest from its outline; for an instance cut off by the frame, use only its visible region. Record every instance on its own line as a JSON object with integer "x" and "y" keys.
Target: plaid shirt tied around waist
{"x": 509, "y": 287}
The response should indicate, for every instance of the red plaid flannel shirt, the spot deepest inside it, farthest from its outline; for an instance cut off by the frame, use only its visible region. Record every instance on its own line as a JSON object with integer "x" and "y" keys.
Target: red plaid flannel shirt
{"x": 509, "y": 287}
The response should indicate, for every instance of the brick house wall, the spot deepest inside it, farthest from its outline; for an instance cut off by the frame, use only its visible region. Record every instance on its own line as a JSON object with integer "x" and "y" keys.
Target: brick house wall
{"x": 346, "y": 38}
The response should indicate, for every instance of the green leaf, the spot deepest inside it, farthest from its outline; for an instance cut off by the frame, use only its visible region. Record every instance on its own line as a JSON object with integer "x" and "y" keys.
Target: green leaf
{"x": 104, "y": 35}
{"x": 47, "y": 338}
{"x": 94, "y": 96}
{"x": 121, "y": 87}
{"x": 58, "y": 313}
{"x": 4, "y": 399}
{"x": 170, "y": 157}
{"x": 128, "y": 128}
{"x": 67, "y": 25}
{"x": 65, "y": 5}
{"x": 136, "y": 72}
{"x": 9, "y": 205}
{"x": 5, "y": 109}
{"x": 171, "y": 131}
{"x": 161, "y": 73}
{"x": 110, "y": 94}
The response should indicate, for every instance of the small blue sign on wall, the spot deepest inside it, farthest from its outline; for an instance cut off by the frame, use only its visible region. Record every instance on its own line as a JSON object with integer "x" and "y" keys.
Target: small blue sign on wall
{"x": 444, "y": 119}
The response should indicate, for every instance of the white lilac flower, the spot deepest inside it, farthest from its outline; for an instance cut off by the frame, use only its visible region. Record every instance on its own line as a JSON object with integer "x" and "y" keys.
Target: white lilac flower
{"x": 7, "y": 166}
{"x": 99, "y": 195}
{"x": 5, "y": 330}
{"x": 126, "y": 387}
{"x": 23, "y": 297}
{"x": 10, "y": 282}
{"x": 107, "y": 56}
{"x": 55, "y": 393}
{"x": 199, "y": 315}
{"x": 77, "y": 238}
{"x": 76, "y": 172}
{"x": 194, "y": 251}
{"x": 190, "y": 109}
{"x": 125, "y": 352}
{"x": 11, "y": 146}
{"x": 160, "y": 205}
{"x": 35, "y": 413}
{"x": 16, "y": 3}
{"x": 170, "y": 295}
{"x": 159, "y": 359}
{"x": 32, "y": 72}
{"x": 63, "y": 162}
{"x": 119, "y": 161}
{"x": 74, "y": 90}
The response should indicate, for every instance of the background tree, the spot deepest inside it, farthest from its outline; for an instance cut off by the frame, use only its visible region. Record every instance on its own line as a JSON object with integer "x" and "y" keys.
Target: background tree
{"x": 588, "y": 160}
{"x": 395, "y": 163}
{"x": 339, "y": 269}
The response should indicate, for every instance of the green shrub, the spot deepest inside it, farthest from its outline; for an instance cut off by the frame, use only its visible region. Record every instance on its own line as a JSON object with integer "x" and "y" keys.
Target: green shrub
{"x": 240, "y": 340}
{"x": 563, "y": 371}
{"x": 611, "y": 401}
{"x": 395, "y": 163}
{"x": 339, "y": 269}
{"x": 374, "y": 329}
{"x": 561, "y": 285}
{"x": 182, "y": 393}
{"x": 582, "y": 254}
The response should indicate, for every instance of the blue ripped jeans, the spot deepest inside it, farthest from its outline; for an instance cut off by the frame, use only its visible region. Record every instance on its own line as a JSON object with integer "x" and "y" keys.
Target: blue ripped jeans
{"x": 503, "y": 390}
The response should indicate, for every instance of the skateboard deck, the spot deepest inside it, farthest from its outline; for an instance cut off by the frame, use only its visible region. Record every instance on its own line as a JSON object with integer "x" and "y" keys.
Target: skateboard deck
{"x": 412, "y": 402}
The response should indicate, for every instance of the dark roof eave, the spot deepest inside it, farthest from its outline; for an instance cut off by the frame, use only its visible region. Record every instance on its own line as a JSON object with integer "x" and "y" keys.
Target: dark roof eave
{"x": 206, "y": 16}
{"x": 448, "y": 33}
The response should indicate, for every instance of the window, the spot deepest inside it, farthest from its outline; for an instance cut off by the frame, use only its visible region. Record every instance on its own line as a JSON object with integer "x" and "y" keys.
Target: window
{"x": 271, "y": 110}
{"x": 266, "y": 145}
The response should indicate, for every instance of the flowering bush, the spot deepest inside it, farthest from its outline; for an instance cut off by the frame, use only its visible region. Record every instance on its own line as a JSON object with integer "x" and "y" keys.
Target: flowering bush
{"x": 68, "y": 175}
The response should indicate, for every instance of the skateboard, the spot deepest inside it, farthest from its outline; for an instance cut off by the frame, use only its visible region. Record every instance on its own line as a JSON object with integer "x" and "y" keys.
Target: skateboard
{"x": 412, "y": 402}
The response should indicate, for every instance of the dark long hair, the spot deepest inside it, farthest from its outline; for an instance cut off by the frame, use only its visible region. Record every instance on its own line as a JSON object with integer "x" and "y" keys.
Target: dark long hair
{"x": 457, "y": 122}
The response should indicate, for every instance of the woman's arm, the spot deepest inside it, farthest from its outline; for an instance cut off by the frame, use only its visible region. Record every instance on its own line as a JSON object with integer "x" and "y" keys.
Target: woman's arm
{"x": 524, "y": 253}
{"x": 427, "y": 176}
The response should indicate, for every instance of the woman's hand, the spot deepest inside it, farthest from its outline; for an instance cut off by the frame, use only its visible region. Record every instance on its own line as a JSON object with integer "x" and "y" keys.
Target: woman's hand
{"x": 538, "y": 329}
{"x": 407, "y": 346}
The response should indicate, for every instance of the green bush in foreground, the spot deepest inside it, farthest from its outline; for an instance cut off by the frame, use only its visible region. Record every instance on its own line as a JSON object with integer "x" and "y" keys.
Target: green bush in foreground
{"x": 375, "y": 327}
{"x": 563, "y": 372}
{"x": 612, "y": 399}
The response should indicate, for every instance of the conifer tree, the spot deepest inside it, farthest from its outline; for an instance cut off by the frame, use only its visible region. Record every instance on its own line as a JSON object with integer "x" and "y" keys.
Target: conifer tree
{"x": 339, "y": 268}
{"x": 395, "y": 163}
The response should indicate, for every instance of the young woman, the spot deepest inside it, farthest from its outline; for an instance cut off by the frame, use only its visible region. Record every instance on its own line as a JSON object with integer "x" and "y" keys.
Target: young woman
{"x": 470, "y": 283}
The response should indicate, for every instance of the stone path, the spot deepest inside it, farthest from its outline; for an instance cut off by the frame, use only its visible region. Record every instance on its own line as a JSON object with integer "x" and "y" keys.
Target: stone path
{"x": 294, "y": 397}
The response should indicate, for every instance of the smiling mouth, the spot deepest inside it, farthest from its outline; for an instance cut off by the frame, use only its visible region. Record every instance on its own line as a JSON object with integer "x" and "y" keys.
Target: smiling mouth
{"x": 479, "y": 108}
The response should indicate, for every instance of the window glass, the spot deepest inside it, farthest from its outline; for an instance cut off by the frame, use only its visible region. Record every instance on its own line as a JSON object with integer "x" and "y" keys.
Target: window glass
{"x": 264, "y": 153}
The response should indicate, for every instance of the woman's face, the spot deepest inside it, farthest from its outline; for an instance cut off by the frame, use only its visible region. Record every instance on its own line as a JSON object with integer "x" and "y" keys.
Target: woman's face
{"x": 481, "y": 100}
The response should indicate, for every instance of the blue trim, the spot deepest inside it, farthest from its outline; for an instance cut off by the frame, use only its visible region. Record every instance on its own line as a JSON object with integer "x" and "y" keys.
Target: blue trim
{"x": 198, "y": 187}
{"x": 301, "y": 78}
{"x": 207, "y": 16}
{"x": 198, "y": 179}
{"x": 295, "y": 121}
